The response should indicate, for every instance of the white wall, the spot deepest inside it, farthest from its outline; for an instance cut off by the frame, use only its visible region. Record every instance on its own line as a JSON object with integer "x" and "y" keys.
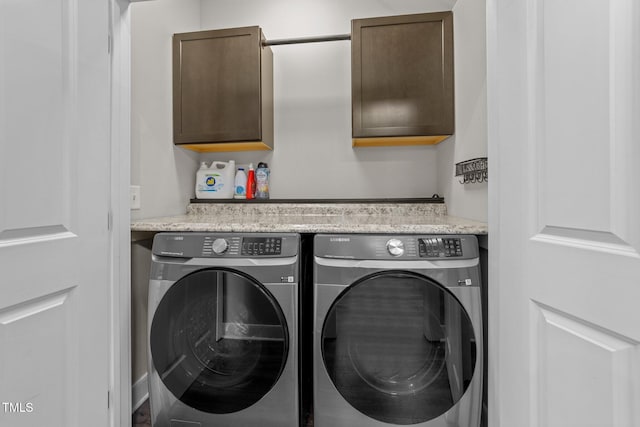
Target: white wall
{"x": 313, "y": 157}
{"x": 140, "y": 268}
{"x": 470, "y": 139}
{"x": 163, "y": 172}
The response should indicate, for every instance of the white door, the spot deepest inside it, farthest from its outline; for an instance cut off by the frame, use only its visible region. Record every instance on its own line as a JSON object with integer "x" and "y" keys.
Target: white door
{"x": 54, "y": 200}
{"x": 564, "y": 302}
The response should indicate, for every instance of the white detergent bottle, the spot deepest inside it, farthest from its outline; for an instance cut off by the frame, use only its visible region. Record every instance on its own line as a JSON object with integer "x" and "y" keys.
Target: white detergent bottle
{"x": 216, "y": 181}
{"x": 200, "y": 174}
{"x": 241, "y": 184}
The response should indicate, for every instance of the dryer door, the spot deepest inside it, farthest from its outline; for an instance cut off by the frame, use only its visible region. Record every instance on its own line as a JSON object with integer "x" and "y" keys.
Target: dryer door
{"x": 399, "y": 347}
{"x": 219, "y": 340}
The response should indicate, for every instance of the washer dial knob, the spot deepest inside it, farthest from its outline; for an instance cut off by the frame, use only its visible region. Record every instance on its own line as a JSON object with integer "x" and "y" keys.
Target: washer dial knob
{"x": 395, "y": 247}
{"x": 219, "y": 246}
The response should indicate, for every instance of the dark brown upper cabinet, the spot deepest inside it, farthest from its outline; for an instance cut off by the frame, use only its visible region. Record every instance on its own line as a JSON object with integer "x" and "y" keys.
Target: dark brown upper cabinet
{"x": 222, "y": 90}
{"x": 402, "y": 79}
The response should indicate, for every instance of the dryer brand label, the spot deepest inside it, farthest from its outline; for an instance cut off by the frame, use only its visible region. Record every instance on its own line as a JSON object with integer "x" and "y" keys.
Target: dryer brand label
{"x": 339, "y": 239}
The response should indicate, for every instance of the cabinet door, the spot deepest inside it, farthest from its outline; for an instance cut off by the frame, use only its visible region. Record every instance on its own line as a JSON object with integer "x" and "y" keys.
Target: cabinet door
{"x": 402, "y": 79}
{"x": 217, "y": 87}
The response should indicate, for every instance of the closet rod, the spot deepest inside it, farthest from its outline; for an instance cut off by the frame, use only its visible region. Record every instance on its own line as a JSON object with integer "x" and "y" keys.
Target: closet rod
{"x": 307, "y": 40}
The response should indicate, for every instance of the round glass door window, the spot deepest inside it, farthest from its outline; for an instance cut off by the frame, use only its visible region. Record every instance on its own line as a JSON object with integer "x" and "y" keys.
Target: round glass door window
{"x": 399, "y": 347}
{"x": 219, "y": 340}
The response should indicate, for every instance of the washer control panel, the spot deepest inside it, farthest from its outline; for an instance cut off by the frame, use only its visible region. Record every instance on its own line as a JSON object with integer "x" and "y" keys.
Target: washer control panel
{"x": 440, "y": 247}
{"x": 395, "y": 247}
{"x": 227, "y": 245}
{"x": 214, "y": 245}
{"x": 261, "y": 246}
{"x": 220, "y": 246}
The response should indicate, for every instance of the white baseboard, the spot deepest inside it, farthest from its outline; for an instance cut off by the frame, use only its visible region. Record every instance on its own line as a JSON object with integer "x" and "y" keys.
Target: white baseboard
{"x": 139, "y": 392}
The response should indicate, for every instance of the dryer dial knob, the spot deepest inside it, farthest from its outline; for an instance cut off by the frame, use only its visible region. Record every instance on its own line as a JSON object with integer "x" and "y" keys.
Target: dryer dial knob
{"x": 395, "y": 247}
{"x": 220, "y": 246}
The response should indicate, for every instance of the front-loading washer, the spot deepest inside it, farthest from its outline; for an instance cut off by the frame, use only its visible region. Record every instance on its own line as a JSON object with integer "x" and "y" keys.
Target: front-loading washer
{"x": 397, "y": 331}
{"x": 223, "y": 315}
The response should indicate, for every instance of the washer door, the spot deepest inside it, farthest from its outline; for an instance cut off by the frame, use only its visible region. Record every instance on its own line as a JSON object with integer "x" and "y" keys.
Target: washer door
{"x": 399, "y": 347}
{"x": 219, "y": 340}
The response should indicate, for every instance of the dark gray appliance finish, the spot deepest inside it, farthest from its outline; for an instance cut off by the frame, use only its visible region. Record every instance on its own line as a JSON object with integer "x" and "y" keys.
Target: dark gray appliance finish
{"x": 397, "y": 331}
{"x": 371, "y": 246}
{"x": 226, "y": 245}
{"x": 223, "y": 329}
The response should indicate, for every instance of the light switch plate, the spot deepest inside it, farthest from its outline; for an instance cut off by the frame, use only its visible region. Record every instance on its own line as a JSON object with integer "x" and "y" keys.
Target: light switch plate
{"x": 134, "y": 197}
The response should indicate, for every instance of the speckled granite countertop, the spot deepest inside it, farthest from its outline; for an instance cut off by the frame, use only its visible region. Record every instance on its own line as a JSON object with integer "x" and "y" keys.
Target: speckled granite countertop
{"x": 418, "y": 218}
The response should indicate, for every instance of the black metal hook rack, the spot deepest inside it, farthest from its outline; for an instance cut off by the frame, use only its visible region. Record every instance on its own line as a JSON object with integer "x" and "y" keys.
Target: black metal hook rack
{"x": 473, "y": 170}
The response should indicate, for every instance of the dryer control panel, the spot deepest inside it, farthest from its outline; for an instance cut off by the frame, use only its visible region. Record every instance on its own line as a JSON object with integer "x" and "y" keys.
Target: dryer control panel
{"x": 396, "y": 247}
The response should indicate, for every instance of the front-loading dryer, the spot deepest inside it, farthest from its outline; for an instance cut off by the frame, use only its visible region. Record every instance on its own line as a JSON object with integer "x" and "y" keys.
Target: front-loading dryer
{"x": 397, "y": 331}
{"x": 223, "y": 331}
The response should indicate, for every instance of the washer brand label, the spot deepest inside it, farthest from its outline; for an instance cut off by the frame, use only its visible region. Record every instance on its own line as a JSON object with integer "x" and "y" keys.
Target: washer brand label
{"x": 171, "y": 253}
{"x": 339, "y": 239}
